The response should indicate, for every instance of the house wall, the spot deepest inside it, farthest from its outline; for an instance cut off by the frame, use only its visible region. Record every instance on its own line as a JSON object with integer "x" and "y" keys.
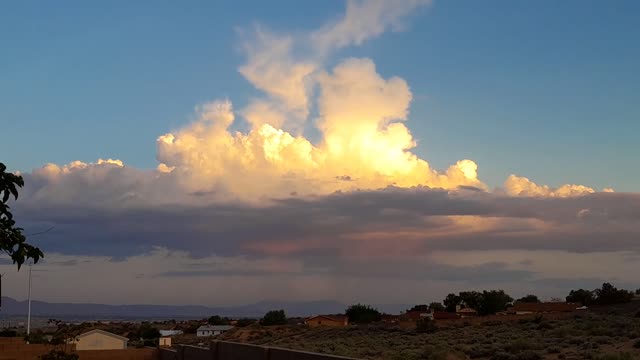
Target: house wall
{"x": 17, "y": 349}
{"x": 98, "y": 341}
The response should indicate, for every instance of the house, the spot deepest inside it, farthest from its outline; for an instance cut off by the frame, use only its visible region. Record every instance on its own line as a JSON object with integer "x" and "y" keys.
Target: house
{"x": 522, "y": 308}
{"x": 416, "y": 315}
{"x": 166, "y": 333}
{"x": 100, "y": 340}
{"x": 213, "y": 330}
{"x": 165, "y": 342}
{"x": 443, "y": 315}
{"x": 466, "y": 312}
{"x": 390, "y": 319}
{"x": 327, "y": 320}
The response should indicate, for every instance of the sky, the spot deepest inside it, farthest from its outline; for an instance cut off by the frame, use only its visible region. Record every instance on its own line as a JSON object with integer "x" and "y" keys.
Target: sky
{"x": 314, "y": 152}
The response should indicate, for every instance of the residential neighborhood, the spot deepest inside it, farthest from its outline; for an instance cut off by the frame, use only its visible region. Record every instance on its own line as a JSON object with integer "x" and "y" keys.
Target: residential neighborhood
{"x": 212, "y": 330}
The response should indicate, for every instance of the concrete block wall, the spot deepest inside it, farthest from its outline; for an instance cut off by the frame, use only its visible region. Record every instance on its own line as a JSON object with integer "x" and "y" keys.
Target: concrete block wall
{"x": 17, "y": 349}
{"x": 223, "y": 350}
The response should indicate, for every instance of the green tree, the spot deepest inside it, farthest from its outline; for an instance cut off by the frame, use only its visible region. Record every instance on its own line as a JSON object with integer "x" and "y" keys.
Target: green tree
{"x": 471, "y": 299}
{"x": 490, "y": 302}
{"x": 12, "y": 240}
{"x": 148, "y": 332}
{"x": 218, "y": 320}
{"x": 362, "y": 314}
{"x": 529, "y": 299}
{"x": 192, "y": 328}
{"x": 637, "y": 291}
{"x": 62, "y": 349}
{"x": 274, "y": 317}
{"x": 436, "y": 306}
{"x": 581, "y": 296}
{"x": 36, "y": 337}
{"x": 451, "y": 301}
{"x": 609, "y": 294}
{"x": 422, "y": 308}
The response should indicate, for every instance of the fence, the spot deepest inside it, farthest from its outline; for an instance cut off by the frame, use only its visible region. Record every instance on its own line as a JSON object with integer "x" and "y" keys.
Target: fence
{"x": 17, "y": 349}
{"x": 224, "y": 350}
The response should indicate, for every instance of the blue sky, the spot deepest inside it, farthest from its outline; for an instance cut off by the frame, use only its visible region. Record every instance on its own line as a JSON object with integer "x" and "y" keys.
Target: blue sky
{"x": 545, "y": 89}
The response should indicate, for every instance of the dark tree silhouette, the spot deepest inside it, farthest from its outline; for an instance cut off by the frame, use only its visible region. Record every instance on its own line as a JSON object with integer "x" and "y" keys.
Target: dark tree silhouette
{"x": 12, "y": 240}
{"x": 362, "y": 314}
{"x": 436, "y": 306}
{"x": 423, "y": 308}
{"x": 218, "y": 320}
{"x": 493, "y": 301}
{"x": 451, "y": 301}
{"x": 581, "y": 296}
{"x": 529, "y": 299}
{"x": 609, "y": 294}
{"x": 274, "y": 317}
{"x": 471, "y": 299}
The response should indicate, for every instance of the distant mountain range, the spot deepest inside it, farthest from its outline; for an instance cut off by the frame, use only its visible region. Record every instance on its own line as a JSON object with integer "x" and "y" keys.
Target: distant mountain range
{"x": 12, "y": 307}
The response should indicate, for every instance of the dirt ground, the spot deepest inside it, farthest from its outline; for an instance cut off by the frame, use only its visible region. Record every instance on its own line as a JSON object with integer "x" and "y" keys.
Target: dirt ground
{"x": 600, "y": 334}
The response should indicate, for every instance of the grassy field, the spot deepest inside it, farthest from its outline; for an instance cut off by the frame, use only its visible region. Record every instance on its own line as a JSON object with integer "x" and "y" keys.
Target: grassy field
{"x": 606, "y": 334}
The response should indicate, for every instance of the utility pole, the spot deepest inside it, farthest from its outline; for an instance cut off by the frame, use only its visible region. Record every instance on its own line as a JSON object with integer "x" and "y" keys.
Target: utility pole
{"x": 29, "y": 312}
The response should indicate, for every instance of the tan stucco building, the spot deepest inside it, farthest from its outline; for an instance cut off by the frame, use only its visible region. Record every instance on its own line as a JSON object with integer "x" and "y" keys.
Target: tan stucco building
{"x": 327, "y": 320}
{"x": 100, "y": 340}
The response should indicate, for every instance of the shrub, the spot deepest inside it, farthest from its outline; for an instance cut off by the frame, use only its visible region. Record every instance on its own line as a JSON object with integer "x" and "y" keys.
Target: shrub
{"x": 440, "y": 353}
{"x": 8, "y": 333}
{"x": 521, "y": 345}
{"x": 553, "y": 350}
{"x": 426, "y": 326}
{"x": 59, "y": 355}
{"x": 602, "y": 340}
{"x": 636, "y": 344}
{"x": 529, "y": 355}
{"x": 544, "y": 326}
{"x": 503, "y": 356}
{"x": 618, "y": 356}
{"x": 538, "y": 319}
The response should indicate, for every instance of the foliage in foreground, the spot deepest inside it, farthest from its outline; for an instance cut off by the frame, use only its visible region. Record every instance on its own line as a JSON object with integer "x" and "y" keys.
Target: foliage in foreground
{"x": 12, "y": 240}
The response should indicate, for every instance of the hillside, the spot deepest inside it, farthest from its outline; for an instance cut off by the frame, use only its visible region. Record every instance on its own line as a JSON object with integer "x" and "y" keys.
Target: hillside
{"x": 12, "y": 307}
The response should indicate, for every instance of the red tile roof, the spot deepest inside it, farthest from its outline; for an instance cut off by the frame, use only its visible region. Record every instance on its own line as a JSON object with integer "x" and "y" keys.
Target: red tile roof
{"x": 544, "y": 307}
{"x": 467, "y": 311}
{"x": 414, "y": 315}
{"x": 442, "y": 315}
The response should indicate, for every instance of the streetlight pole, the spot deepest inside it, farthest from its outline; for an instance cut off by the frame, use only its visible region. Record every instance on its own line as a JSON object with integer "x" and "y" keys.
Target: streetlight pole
{"x": 29, "y": 312}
